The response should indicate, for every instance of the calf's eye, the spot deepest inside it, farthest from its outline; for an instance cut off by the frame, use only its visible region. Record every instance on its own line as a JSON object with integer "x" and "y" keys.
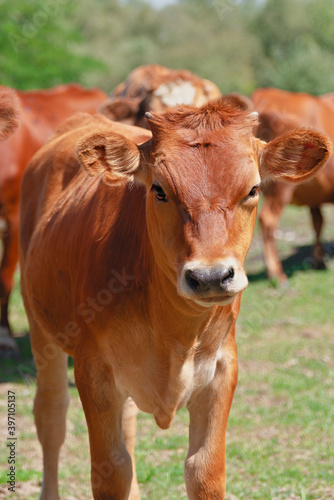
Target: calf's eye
{"x": 159, "y": 193}
{"x": 255, "y": 191}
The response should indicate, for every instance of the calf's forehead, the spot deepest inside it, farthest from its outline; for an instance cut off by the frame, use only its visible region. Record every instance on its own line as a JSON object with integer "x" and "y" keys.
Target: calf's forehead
{"x": 215, "y": 163}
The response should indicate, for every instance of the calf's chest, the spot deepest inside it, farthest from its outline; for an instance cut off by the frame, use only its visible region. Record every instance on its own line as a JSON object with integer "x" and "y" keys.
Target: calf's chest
{"x": 161, "y": 377}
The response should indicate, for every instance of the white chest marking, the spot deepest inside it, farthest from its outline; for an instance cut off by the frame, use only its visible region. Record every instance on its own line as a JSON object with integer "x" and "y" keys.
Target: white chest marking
{"x": 197, "y": 374}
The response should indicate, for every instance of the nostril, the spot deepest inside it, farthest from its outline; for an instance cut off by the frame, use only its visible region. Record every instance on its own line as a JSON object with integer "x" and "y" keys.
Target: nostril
{"x": 227, "y": 276}
{"x": 192, "y": 281}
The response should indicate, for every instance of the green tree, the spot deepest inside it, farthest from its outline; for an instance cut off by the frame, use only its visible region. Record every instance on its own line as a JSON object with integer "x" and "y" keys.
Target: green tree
{"x": 238, "y": 44}
{"x": 297, "y": 41}
{"x": 40, "y": 45}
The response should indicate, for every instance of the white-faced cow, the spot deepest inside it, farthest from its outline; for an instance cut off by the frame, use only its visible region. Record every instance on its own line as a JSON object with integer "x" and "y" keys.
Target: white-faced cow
{"x": 156, "y": 88}
{"x": 132, "y": 258}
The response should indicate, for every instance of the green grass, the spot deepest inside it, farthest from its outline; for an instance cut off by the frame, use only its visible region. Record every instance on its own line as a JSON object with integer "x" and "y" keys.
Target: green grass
{"x": 282, "y": 415}
{"x": 280, "y": 440}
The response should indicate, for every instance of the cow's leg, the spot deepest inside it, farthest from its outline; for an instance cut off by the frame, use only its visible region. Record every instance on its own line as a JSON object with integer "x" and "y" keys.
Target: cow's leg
{"x": 205, "y": 462}
{"x": 7, "y": 270}
{"x": 269, "y": 219}
{"x": 50, "y": 406}
{"x": 318, "y": 251}
{"x": 111, "y": 467}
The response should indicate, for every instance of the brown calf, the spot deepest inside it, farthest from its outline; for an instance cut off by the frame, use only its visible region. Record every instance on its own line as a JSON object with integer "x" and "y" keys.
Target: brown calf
{"x": 134, "y": 265}
{"x": 41, "y": 113}
{"x": 279, "y": 112}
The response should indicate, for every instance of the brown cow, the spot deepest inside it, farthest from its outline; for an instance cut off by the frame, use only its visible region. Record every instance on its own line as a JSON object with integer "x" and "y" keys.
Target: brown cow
{"x": 9, "y": 122}
{"x": 41, "y": 113}
{"x": 328, "y": 98}
{"x": 134, "y": 265}
{"x": 279, "y": 112}
{"x": 156, "y": 88}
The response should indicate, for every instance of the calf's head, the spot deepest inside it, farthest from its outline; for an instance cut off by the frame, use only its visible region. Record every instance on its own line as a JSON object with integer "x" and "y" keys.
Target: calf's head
{"x": 202, "y": 170}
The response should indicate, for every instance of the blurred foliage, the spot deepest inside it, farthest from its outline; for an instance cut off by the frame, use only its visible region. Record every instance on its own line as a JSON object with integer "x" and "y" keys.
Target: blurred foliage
{"x": 297, "y": 44}
{"x": 238, "y": 44}
{"x": 40, "y": 46}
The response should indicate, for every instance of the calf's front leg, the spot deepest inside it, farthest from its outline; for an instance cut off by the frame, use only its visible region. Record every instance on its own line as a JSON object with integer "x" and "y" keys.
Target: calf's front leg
{"x": 129, "y": 427}
{"x": 209, "y": 410}
{"x": 111, "y": 467}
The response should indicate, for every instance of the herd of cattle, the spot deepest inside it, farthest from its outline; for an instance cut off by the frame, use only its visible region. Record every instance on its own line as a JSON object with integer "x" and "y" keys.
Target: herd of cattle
{"x": 132, "y": 226}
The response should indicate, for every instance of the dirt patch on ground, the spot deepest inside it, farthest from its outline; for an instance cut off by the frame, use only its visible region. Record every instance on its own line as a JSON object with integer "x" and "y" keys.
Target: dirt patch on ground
{"x": 24, "y": 490}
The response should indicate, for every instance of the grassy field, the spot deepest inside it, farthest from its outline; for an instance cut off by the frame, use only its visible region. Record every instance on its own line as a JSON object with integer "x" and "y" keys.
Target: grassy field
{"x": 280, "y": 440}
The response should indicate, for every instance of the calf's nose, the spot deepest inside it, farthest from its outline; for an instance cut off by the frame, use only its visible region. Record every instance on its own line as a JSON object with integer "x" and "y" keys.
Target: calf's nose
{"x": 206, "y": 280}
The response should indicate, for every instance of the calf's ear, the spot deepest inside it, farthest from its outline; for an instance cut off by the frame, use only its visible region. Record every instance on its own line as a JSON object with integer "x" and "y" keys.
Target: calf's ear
{"x": 239, "y": 101}
{"x": 295, "y": 156}
{"x": 112, "y": 155}
{"x": 9, "y": 112}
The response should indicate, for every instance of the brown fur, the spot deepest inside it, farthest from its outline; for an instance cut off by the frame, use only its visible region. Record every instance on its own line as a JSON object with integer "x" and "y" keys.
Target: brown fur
{"x": 42, "y": 111}
{"x": 281, "y": 111}
{"x": 105, "y": 277}
{"x": 214, "y": 116}
{"x": 9, "y": 112}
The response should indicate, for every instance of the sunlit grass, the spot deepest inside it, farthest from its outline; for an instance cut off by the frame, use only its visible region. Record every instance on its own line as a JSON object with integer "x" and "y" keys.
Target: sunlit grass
{"x": 280, "y": 443}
